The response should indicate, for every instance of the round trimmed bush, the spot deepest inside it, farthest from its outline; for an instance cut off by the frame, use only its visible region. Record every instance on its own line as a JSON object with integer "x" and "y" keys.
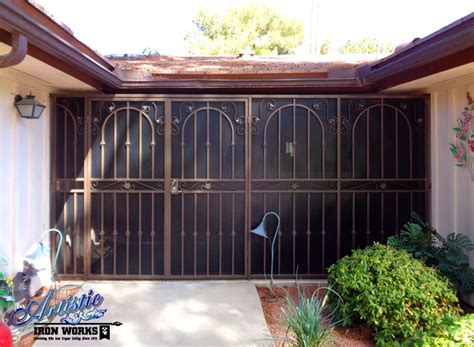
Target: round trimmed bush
{"x": 390, "y": 291}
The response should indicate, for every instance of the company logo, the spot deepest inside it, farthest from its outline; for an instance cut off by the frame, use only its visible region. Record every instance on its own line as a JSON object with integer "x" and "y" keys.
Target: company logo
{"x": 73, "y": 309}
{"x": 74, "y": 312}
{"x": 78, "y": 332}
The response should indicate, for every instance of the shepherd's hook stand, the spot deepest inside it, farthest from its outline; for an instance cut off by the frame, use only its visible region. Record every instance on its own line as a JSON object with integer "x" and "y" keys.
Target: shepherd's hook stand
{"x": 260, "y": 231}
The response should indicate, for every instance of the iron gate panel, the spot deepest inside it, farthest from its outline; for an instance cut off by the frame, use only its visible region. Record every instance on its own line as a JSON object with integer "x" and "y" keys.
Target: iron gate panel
{"x": 208, "y": 176}
{"x": 127, "y": 188}
{"x": 383, "y": 174}
{"x": 68, "y": 182}
{"x": 168, "y": 187}
{"x": 294, "y": 173}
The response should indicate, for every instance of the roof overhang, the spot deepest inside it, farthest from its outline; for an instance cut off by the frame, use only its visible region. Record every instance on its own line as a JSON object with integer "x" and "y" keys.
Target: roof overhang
{"x": 52, "y": 44}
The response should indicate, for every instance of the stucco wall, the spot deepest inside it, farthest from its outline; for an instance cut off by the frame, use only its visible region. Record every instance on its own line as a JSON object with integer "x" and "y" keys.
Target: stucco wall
{"x": 24, "y": 168}
{"x": 452, "y": 201}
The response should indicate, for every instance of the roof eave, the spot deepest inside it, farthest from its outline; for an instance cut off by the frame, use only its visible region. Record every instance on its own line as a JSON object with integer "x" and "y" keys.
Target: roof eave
{"x": 51, "y": 46}
{"x": 430, "y": 56}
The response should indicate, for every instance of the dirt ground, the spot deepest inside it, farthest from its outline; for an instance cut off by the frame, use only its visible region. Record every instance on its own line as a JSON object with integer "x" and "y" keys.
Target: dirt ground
{"x": 274, "y": 299}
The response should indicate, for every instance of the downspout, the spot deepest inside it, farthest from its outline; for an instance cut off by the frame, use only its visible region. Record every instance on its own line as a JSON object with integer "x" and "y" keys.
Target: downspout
{"x": 17, "y": 53}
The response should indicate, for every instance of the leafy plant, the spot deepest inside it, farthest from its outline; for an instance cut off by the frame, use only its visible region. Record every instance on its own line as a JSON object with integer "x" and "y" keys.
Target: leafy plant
{"x": 308, "y": 319}
{"x": 452, "y": 331}
{"x": 391, "y": 291}
{"x": 449, "y": 255}
{"x": 6, "y": 283}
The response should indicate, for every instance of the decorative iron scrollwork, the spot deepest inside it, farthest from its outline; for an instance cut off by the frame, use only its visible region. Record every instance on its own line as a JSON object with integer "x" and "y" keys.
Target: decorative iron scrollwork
{"x": 206, "y": 186}
{"x": 127, "y": 186}
{"x": 160, "y": 129}
{"x": 294, "y": 186}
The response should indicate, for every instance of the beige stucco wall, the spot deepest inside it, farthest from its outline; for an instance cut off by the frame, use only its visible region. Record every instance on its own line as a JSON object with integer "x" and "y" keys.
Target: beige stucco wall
{"x": 24, "y": 168}
{"x": 452, "y": 200}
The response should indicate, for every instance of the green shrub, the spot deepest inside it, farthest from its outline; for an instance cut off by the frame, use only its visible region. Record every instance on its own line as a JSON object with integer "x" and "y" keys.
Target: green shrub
{"x": 452, "y": 331}
{"x": 391, "y": 291}
{"x": 308, "y": 319}
{"x": 449, "y": 255}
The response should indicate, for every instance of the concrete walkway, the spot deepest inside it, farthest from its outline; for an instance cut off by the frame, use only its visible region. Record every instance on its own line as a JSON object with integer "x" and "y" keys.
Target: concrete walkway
{"x": 179, "y": 314}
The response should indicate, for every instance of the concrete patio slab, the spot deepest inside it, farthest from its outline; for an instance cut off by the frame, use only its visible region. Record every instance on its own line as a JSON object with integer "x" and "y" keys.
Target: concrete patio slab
{"x": 204, "y": 313}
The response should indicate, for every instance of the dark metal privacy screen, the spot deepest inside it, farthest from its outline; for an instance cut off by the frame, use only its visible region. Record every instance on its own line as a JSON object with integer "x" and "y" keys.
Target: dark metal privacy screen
{"x": 169, "y": 187}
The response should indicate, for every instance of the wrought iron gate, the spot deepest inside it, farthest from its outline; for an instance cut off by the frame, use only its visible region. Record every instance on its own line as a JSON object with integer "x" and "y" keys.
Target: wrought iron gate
{"x": 169, "y": 187}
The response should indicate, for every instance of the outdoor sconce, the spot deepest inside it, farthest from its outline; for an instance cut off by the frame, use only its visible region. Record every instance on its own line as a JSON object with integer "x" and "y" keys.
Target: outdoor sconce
{"x": 28, "y": 107}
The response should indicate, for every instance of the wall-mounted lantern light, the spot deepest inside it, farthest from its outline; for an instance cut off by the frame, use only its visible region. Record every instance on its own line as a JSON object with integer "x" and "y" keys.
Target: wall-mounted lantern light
{"x": 28, "y": 107}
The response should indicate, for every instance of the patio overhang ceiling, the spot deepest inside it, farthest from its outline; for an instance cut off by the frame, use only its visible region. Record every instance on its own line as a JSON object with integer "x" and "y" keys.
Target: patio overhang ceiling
{"x": 51, "y": 43}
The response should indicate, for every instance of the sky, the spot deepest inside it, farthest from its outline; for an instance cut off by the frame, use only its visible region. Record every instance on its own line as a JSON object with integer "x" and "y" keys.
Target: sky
{"x": 130, "y": 26}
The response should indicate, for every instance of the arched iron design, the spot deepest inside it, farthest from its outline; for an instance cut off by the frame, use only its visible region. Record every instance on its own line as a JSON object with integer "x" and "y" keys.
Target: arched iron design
{"x": 194, "y": 114}
{"x": 309, "y": 112}
{"x": 113, "y": 114}
{"x": 410, "y": 134}
{"x": 75, "y": 120}
{"x": 220, "y": 112}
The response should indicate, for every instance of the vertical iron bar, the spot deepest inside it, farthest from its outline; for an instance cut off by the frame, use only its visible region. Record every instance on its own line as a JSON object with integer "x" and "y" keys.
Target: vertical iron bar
{"x": 195, "y": 234}
{"x": 195, "y": 145}
{"x": 264, "y": 244}
{"x": 65, "y": 146}
{"x": 127, "y": 232}
{"x": 208, "y": 143}
{"x": 308, "y": 234}
{"x": 140, "y": 232}
{"x": 66, "y": 228}
{"x": 140, "y": 145}
{"x": 396, "y": 213}
{"x": 208, "y": 233}
{"x": 279, "y": 144}
{"x": 368, "y": 219}
{"x": 396, "y": 145}
{"x": 293, "y": 140}
{"x": 338, "y": 217}
{"x": 382, "y": 232}
{"x": 220, "y": 234}
{"x": 279, "y": 235}
{"x": 115, "y": 145}
{"x": 308, "y": 144}
{"x": 115, "y": 232}
{"x": 152, "y": 234}
{"x": 248, "y": 184}
{"x": 102, "y": 233}
{"x": 233, "y": 233}
{"x": 87, "y": 188}
{"x": 127, "y": 143}
{"x": 382, "y": 139}
{"x": 75, "y": 154}
{"x": 167, "y": 190}
{"x": 53, "y": 166}
{"x": 368, "y": 144}
{"x": 220, "y": 146}
{"x": 353, "y": 221}
{"x": 74, "y": 234}
{"x": 182, "y": 234}
{"x": 293, "y": 234}
{"x": 323, "y": 232}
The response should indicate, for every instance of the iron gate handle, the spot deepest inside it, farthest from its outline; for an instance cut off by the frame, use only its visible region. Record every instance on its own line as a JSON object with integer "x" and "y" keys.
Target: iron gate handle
{"x": 174, "y": 187}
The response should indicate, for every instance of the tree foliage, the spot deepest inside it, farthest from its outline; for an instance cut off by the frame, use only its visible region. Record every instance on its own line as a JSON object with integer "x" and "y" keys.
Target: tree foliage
{"x": 366, "y": 46}
{"x": 253, "y": 27}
